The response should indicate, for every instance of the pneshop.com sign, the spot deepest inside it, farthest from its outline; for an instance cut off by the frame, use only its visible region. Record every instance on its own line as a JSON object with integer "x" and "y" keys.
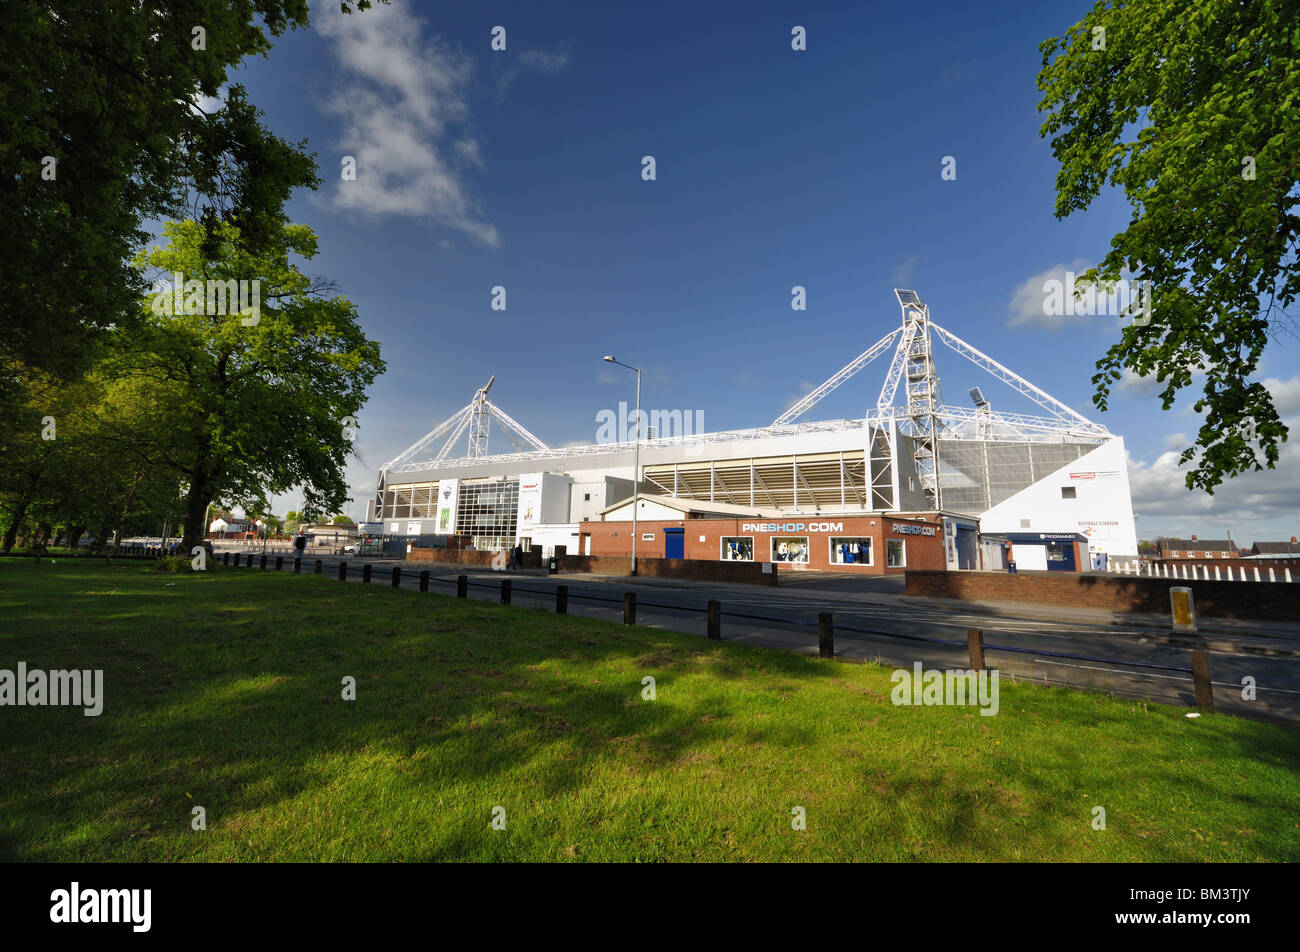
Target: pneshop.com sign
{"x": 792, "y": 527}
{"x": 912, "y": 530}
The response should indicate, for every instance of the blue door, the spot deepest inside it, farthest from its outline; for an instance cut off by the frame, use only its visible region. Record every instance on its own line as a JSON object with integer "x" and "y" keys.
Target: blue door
{"x": 674, "y": 543}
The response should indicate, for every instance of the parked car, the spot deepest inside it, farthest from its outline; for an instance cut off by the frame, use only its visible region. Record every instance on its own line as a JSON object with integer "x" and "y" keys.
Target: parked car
{"x": 353, "y": 549}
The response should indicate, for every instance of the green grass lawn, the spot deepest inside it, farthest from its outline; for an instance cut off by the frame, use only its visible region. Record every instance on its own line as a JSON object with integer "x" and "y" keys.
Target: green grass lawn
{"x": 224, "y": 690}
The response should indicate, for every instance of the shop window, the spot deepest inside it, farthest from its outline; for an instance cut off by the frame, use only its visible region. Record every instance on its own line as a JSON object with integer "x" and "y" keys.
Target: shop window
{"x": 1055, "y": 552}
{"x": 896, "y": 553}
{"x": 850, "y": 550}
{"x": 1068, "y": 492}
{"x": 790, "y": 549}
{"x": 737, "y": 548}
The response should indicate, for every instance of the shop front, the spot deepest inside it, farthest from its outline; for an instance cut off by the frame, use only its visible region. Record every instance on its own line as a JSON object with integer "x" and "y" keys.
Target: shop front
{"x": 873, "y": 544}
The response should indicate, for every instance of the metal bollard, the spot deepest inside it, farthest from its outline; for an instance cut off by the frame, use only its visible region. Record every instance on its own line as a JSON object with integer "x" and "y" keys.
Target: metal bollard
{"x": 424, "y": 580}
{"x": 365, "y": 573}
{"x": 561, "y": 599}
{"x": 975, "y": 641}
{"x": 715, "y": 619}
{"x": 297, "y": 566}
{"x": 629, "y": 608}
{"x": 397, "y": 576}
{"x": 1201, "y": 679}
{"x": 279, "y": 562}
{"x": 462, "y": 586}
{"x": 825, "y": 635}
{"x": 263, "y": 563}
{"x": 320, "y": 566}
{"x": 505, "y": 591}
{"x": 343, "y": 571}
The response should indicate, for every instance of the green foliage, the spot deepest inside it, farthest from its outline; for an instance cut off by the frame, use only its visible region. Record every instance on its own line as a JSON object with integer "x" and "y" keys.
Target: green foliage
{"x": 341, "y": 520}
{"x": 109, "y": 91}
{"x": 92, "y": 473}
{"x": 176, "y": 565}
{"x": 249, "y": 405}
{"x": 1194, "y": 111}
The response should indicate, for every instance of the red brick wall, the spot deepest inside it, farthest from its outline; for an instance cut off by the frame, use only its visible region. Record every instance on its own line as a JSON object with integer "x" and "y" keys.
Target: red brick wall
{"x": 451, "y": 556}
{"x": 1247, "y": 600}
{"x": 614, "y": 539}
{"x": 698, "y": 569}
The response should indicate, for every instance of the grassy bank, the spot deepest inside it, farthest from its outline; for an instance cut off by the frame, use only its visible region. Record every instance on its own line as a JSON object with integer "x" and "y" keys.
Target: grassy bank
{"x": 223, "y": 690}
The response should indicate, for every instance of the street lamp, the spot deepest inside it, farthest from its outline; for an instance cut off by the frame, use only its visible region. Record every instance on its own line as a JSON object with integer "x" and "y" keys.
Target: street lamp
{"x": 636, "y": 482}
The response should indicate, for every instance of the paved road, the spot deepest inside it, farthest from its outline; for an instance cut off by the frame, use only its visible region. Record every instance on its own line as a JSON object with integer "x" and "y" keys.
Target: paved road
{"x": 1114, "y": 654}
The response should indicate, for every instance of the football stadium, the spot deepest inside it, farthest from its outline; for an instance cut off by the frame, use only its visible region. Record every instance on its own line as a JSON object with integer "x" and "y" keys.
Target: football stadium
{"x": 979, "y": 475}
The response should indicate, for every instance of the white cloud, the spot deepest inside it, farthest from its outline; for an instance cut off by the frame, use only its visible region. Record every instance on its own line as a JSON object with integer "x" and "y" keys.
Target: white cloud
{"x": 1131, "y": 382}
{"x": 904, "y": 272}
{"x": 1028, "y": 300}
{"x": 1286, "y": 395}
{"x": 400, "y": 90}
{"x": 545, "y": 62}
{"x": 509, "y": 65}
{"x": 1254, "y": 505}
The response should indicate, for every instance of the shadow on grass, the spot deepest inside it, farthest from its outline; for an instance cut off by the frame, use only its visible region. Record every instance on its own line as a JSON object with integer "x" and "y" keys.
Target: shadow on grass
{"x": 225, "y": 691}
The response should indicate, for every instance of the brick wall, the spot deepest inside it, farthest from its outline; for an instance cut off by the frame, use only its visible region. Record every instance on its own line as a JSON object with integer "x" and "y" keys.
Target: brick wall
{"x": 698, "y": 569}
{"x": 451, "y": 556}
{"x": 1247, "y": 600}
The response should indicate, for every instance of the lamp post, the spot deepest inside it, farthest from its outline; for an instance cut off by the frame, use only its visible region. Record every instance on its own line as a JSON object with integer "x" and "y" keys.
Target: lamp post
{"x": 636, "y": 481}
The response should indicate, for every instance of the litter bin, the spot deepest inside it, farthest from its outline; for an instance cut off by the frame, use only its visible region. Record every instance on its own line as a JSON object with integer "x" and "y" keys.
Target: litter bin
{"x": 1011, "y": 566}
{"x": 552, "y": 565}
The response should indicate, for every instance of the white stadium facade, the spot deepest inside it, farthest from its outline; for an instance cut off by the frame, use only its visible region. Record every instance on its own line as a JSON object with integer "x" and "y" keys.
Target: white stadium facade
{"x": 1051, "y": 472}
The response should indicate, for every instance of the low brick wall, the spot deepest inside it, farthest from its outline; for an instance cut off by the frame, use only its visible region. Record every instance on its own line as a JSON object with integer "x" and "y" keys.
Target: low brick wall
{"x": 451, "y": 556}
{"x": 702, "y": 570}
{"x": 480, "y": 557}
{"x": 1260, "y": 601}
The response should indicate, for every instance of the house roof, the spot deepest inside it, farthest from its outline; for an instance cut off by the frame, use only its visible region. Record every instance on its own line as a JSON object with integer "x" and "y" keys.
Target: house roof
{"x": 1275, "y": 548}
{"x": 1201, "y": 545}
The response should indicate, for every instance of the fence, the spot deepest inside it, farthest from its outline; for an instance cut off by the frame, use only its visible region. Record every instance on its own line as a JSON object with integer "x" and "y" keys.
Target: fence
{"x": 1199, "y": 667}
{"x": 1200, "y": 571}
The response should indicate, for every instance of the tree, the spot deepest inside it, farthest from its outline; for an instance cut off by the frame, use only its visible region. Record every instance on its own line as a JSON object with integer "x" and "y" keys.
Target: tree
{"x": 251, "y": 401}
{"x": 102, "y": 129}
{"x": 1192, "y": 110}
{"x": 291, "y": 520}
{"x": 73, "y": 462}
{"x": 341, "y": 520}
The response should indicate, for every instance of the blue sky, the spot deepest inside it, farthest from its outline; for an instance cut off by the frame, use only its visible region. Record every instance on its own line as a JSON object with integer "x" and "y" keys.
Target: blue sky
{"x": 775, "y": 168}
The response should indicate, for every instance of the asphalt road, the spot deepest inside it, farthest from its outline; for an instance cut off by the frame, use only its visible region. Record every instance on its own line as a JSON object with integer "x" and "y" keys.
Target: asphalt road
{"x": 874, "y": 622}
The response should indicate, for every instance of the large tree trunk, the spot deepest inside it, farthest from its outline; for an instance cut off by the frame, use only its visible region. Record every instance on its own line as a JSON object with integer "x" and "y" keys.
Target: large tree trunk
{"x": 11, "y": 534}
{"x": 196, "y": 510}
